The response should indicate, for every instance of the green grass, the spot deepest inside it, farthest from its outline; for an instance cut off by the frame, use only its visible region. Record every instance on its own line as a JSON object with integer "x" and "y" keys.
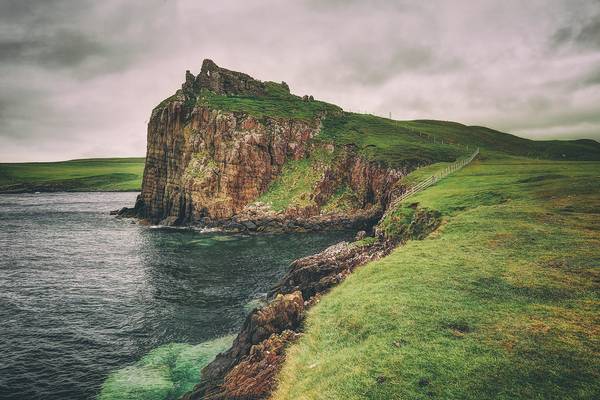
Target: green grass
{"x": 292, "y": 188}
{"x": 296, "y": 182}
{"x": 500, "y": 302}
{"x": 95, "y": 174}
{"x": 490, "y": 139}
{"x": 386, "y": 141}
{"x": 344, "y": 199}
{"x": 276, "y": 104}
{"x": 410, "y": 143}
{"x": 422, "y": 173}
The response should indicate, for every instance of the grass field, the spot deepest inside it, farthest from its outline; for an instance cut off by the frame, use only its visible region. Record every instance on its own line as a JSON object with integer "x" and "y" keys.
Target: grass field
{"x": 398, "y": 143}
{"x": 95, "y": 174}
{"x": 500, "y": 302}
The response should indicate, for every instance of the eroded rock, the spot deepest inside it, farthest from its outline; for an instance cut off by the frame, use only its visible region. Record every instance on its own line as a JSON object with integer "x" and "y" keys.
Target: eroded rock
{"x": 284, "y": 312}
{"x": 254, "y": 377}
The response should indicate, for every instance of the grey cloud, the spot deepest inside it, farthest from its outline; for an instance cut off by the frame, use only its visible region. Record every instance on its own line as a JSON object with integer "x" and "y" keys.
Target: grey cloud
{"x": 592, "y": 78}
{"x": 383, "y": 66}
{"x": 583, "y": 31}
{"x": 79, "y": 78}
{"x": 590, "y": 33}
{"x": 57, "y": 50}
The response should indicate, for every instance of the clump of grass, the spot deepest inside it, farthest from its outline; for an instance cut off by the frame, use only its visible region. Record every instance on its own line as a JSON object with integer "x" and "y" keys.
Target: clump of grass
{"x": 501, "y": 302}
{"x": 297, "y": 181}
{"x": 344, "y": 199}
{"x": 292, "y": 188}
{"x": 407, "y": 222}
{"x": 367, "y": 241}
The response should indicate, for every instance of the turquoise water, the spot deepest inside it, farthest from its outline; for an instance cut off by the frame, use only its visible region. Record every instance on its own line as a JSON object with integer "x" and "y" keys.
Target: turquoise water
{"x": 90, "y": 303}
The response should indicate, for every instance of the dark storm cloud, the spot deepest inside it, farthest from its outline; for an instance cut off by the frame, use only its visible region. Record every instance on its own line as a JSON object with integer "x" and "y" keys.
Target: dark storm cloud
{"x": 57, "y": 50}
{"x": 590, "y": 33}
{"x": 79, "y": 77}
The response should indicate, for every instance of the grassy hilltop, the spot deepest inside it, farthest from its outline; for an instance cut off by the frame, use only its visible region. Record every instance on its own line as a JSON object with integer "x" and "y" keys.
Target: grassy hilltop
{"x": 501, "y": 302}
{"x": 94, "y": 174}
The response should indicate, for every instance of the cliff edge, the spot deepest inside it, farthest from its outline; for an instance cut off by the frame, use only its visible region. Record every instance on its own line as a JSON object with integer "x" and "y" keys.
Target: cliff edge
{"x": 219, "y": 143}
{"x": 229, "y": 151}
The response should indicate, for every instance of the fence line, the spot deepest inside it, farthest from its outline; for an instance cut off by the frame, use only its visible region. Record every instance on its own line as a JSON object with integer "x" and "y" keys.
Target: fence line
{"x": 455, "y": 166}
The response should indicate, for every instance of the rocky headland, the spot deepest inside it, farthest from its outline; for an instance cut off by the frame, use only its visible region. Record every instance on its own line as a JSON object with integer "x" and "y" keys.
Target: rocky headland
{"x": 230, "y": 152}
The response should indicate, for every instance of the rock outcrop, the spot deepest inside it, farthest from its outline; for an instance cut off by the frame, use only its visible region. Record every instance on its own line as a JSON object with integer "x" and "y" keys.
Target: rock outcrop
{"x": 206, "y": 165}
{"x": 254, "y": 376}
{"x": 248, "y": 370}
{"x": 315, "y": 274}
{"x": 284, "y": 313}
{"x": 215, "y": 163}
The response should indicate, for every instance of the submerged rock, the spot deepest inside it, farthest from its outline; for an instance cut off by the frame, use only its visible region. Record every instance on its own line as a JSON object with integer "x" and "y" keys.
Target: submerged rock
{"x": 166, "y": 372}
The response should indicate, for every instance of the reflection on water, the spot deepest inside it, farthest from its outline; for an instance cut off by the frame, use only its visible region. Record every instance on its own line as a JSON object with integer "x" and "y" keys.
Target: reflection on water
{"x": 83, "y": 294}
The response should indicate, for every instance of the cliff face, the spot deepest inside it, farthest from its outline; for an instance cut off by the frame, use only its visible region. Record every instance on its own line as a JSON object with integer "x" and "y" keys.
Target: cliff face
{"x": 209, "y": 164}
{"x": 223, "y": 141}
{"x": 206, "y": 164}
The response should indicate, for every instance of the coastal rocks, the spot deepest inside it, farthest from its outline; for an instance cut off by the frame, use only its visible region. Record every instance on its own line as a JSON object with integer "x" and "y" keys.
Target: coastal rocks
{"x": 360, "y": 235}
{"x": 250, "y": 221}
{"x": 216, "y": 163}
{"x": 284, "y": 312}
{"x": 254, "y": 377}
{"x": 248, "y": 369}
{"x": 205, "y": 165}
{"x": 124, "y": 212}
{"x": 315, "y": 274}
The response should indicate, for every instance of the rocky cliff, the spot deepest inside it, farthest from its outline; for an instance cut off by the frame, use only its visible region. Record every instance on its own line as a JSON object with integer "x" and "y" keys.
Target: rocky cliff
{"x": 209, "y": 157}
{"x": 248, "y": 370}
{"x": 233, "y": 152}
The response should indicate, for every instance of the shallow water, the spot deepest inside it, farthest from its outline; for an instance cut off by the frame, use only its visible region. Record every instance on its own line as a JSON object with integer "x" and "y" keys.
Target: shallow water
{"x": 83, "y": 294}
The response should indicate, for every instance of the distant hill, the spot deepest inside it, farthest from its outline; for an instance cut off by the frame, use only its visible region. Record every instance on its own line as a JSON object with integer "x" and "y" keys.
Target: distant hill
{"x": 93, "y": 174}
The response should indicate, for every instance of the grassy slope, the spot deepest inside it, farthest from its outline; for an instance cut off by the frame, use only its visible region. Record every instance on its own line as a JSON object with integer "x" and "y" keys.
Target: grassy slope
{"x": 501, "y": 302}
{"x": 99, "y": 174}
{"x": 277, "y": 103}
{"x": 397, "y": 143}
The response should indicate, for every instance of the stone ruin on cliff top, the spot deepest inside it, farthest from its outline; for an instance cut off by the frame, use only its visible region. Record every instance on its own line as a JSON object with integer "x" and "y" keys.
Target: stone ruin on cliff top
{"x": 223, "y": 81}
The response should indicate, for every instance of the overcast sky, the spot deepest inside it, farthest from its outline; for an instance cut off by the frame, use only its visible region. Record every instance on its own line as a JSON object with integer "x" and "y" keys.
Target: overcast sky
{"x": 79, "y": 78}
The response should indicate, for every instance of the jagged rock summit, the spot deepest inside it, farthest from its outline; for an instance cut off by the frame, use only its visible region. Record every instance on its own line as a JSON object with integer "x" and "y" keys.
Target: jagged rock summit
{"x": 222, "y": 81}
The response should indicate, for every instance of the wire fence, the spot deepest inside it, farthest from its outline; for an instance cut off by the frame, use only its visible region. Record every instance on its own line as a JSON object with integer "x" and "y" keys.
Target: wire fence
{"x": 455, "y": 166}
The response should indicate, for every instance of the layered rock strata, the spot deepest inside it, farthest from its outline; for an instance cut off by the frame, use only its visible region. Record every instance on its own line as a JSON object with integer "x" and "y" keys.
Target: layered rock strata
{"x": 205, "y": 165}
